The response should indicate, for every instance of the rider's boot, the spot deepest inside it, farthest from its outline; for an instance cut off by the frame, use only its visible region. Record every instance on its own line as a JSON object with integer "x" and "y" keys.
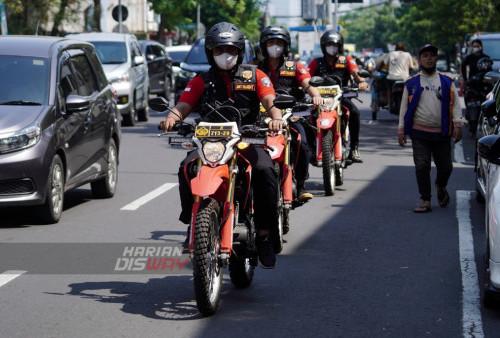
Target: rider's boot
{"x": 302, "y": 194}
{"x": 267, "y": 258}
{"x": 354, "y": 155}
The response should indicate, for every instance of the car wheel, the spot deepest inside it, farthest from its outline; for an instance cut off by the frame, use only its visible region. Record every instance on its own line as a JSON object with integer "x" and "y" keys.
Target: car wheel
{"x": 50, "y": 212}
{"x": 129, "y": 119}
{"x": 106, "y": 186}
{"x": 143, "y": 113}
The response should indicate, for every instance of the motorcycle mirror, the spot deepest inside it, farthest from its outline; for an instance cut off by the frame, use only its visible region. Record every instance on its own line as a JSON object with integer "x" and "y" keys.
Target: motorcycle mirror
{"x": 159, "y": 104}
{"x": 488, "y": 108}
{"x": 316, "y": 81}
{"x": 284, "y": 101}
{"x": 364, "y": 73}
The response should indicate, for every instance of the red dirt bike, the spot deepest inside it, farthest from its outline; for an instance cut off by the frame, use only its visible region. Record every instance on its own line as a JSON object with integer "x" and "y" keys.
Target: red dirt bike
{"x": 280, "y": 150}
{"x": 329, "y": 124}
{"x": 222, "y": 227}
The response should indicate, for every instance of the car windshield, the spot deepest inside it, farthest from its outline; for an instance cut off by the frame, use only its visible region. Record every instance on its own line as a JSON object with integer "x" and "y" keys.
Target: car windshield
{"x": 111, "y": 52}
{"x": 492, "y": 48}
{"x": 197, "y": 55}
{"x": 24, "y": 80}
{"x": 178, "y": 55}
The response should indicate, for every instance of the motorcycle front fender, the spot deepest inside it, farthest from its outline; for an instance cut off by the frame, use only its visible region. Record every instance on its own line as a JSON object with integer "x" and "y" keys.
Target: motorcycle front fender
{"x": 326, "y": 120}
{"x": 276, "y": 146}
{"x": 208, "y": 180}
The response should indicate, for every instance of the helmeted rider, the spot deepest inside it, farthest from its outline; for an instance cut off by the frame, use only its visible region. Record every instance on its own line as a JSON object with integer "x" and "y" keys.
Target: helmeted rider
{"x": 246, "y": 86}
{"x": 469, "y": 66}
{"x": 289, "y": 75}
{"x": 334, "y": 62}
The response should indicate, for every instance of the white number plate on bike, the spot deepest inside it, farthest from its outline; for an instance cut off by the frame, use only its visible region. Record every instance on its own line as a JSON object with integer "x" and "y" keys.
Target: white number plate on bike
{"x": 214, "y": 131}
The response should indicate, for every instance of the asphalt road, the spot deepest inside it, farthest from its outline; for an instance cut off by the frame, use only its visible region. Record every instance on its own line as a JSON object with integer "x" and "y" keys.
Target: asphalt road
{"x": 358, "y": 264}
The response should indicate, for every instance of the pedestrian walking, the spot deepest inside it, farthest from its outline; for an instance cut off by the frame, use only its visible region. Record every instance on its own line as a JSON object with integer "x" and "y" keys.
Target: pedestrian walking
{"x": 431, "y": 116}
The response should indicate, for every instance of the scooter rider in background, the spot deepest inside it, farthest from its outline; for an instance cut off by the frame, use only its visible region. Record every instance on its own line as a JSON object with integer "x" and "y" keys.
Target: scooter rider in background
{"x": 469, "y": 66}
{"x": 289, "y": 75}
{"x": 334, "y": 62}
{"x": 400, "y": 64}
{"x": 225, "y": 47}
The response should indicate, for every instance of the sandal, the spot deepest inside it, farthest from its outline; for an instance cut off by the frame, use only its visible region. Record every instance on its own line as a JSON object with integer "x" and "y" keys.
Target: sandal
{"x": 422, "y": 209}
{"x": 442, "y": 196}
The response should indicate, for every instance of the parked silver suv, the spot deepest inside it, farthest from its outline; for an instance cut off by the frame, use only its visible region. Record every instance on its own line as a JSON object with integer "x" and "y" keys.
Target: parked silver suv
{"x": 126, "y": 69}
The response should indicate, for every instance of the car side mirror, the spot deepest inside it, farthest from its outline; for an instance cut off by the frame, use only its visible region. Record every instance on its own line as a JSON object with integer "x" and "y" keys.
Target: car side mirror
{"x": 138, "y": 60}
{"x": 284, "y": 101}
{"x": 76, "y": 103}
{"x": 488, "y": 108}
{"x": 488, "y": 147}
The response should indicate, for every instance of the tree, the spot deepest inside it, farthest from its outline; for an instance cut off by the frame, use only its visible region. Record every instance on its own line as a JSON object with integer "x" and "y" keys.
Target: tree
{"x": 441, "y": 22}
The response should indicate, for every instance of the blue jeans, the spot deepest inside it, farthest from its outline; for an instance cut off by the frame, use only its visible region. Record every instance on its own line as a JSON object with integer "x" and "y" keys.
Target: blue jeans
{"x": 425, "y": 145}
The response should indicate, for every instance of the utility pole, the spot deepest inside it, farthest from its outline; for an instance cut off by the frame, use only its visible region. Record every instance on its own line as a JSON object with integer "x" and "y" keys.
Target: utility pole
{"x": 198, "y": 20}
{"x": 120, "y": 19}
{"x": 334, "y": 21}
{"x": 3, "y": 19}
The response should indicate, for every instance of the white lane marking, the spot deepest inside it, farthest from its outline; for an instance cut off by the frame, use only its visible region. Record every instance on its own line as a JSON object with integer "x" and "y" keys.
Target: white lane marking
{"x": 149, "y": 196}
{"x": 9, "y": 275}
{"x": 471, "y": 306}
{"x": 459, "y": 152}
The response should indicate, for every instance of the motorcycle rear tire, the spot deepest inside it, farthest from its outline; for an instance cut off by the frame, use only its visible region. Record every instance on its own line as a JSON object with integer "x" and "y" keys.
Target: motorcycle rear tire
{"x": 207, "y": 268}
{"x": 328, "y": 164}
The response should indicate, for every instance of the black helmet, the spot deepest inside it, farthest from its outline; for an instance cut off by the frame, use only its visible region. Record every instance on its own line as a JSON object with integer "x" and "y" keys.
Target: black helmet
{"x": 332, "y": 36}
{"x": 274, "y": 32}
{"x": 224, "y": 34}
{"x": 484, "y": 64}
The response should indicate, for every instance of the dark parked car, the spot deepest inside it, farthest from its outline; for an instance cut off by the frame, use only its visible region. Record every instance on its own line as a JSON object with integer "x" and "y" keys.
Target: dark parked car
{"x": 159, "y": 68}
{"x": 58, "y": 123}
{"x": 196, "y": 62}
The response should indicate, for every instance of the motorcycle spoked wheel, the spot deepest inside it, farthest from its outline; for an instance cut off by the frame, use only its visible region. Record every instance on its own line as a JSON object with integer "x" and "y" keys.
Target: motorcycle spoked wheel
{"x": 328, "y": 164}
{"x": 207, "y": 268}
{"x": 277, "y": 232}
{"x": 339, "y": 169}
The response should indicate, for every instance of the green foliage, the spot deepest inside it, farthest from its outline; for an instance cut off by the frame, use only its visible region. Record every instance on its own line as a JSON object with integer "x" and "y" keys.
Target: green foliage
{"x": 441, "y": 22}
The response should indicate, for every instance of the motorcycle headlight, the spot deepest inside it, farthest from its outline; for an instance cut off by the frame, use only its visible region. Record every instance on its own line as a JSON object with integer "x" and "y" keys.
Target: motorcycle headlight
{"x": 213, "y": 151}
{"x": 327, "y": 104}
{"x": 20, "y": 140}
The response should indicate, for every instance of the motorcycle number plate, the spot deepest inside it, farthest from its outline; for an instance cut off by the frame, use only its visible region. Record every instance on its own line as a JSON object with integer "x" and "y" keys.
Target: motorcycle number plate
{"x": 327, "y": 91}
{"x": 214, "y": 131}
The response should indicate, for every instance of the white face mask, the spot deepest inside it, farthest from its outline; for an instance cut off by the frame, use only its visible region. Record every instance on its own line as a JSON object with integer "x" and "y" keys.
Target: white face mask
{"x": 332, "y": 50}
{"x": 275, "y": 51}
{"x": 476, "y": 50}
{"x": 226, "y": 61}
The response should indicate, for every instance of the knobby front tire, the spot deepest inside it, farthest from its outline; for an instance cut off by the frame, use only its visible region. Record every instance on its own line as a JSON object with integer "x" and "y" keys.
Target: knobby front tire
{"x": 207, "y": 268}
